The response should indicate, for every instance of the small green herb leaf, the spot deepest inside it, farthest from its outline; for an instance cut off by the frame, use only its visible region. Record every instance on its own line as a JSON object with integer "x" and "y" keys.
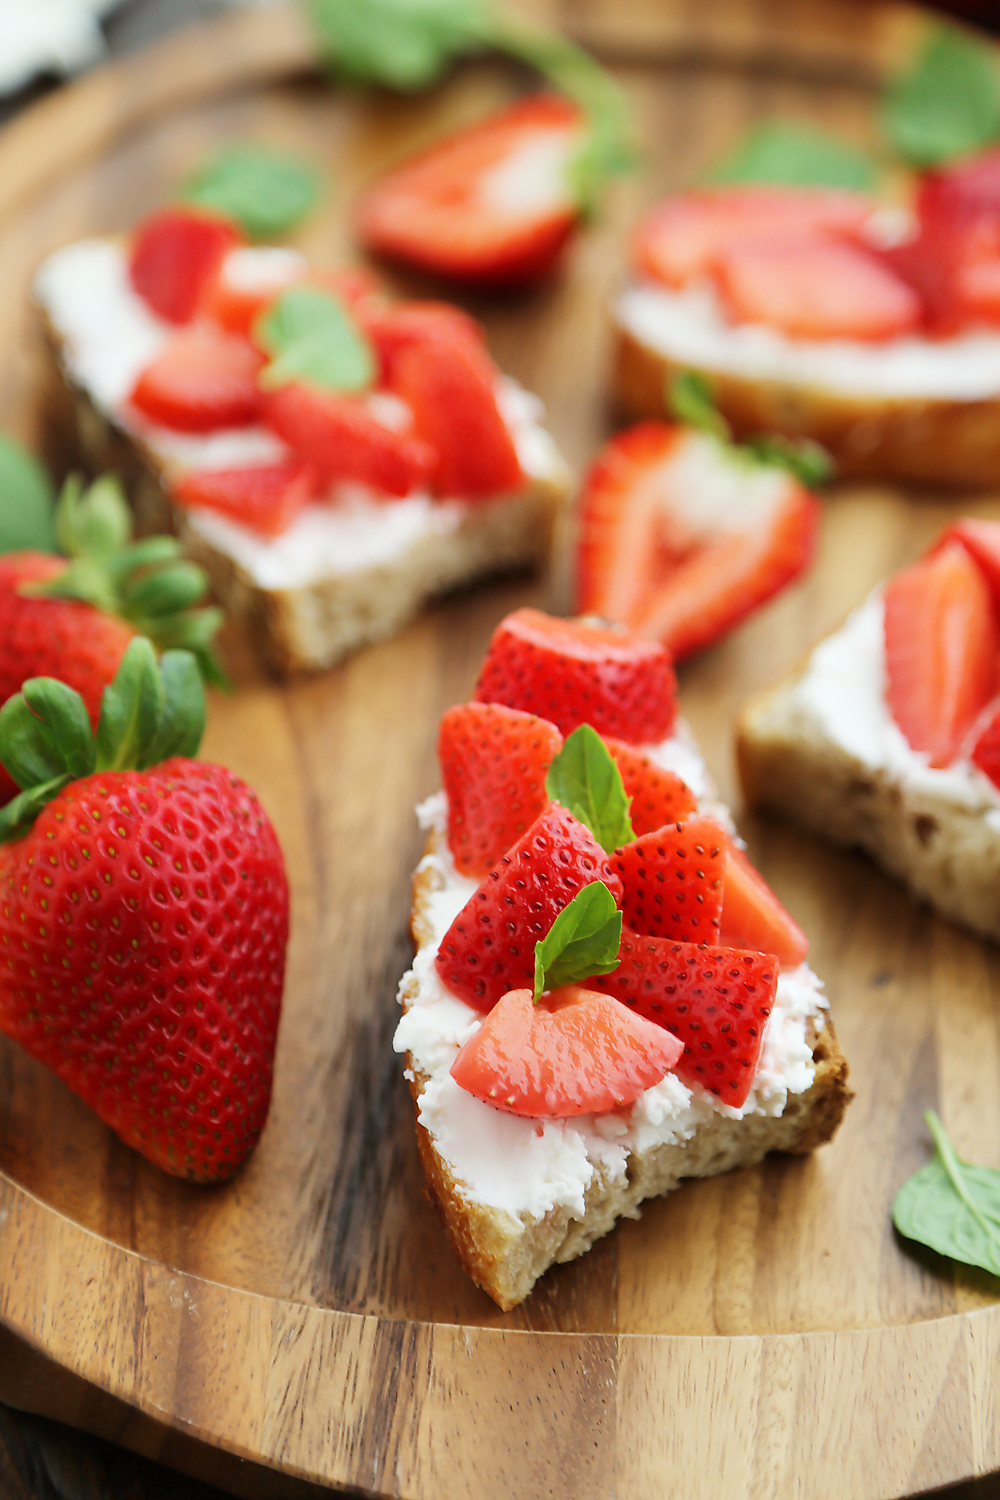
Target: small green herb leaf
{"x": 585, "y": 780}
{"x": 690, "y": 400}
{"x": 583, "y": 941}
{"x": 311, "y": 337}
{"x": 265, "y": 191}
{"x": 131, "y": 709}
{"x": 952, "y": 1207}
{"x": 947, "y": 102}
{"x": 45, "y": 734}
{"x": 789, "y": 153}
{"x": 26, "y": 500}
{"x": 808, "y": 461}
{"x": 406, "y": 44}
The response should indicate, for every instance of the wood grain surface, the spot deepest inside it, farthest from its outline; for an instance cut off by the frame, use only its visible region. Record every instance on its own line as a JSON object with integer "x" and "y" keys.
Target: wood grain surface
{"x": 310, "y": 1315}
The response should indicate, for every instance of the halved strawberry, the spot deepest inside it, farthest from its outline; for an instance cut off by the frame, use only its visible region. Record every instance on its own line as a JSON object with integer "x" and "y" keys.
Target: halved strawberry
{"x": 717, "y": 1000}
{"x": 940, "y": 645}
{"x": 680, "y": 240}
{"x": 982, "y": 540}
{"x": 573, "y": 673}
{"x": 394, "y": 326}
{"x": 265, "y": 499}
{"x": 490, "y": 947}
{"x": 673, "y": 880}
{"x": 655, "y": 796}
{"x": 448, "y": 383}
{"x": 577, "y": 1052}
{"x": 753, "y": 917}
{"x": 201, "y": 380}
{"x": 175, "y": 258}
{"x": 494, "y": 761}
{"x": 491, "y": 205}
{"x": 986, "y": 749}
{"x": 340, "y": 438}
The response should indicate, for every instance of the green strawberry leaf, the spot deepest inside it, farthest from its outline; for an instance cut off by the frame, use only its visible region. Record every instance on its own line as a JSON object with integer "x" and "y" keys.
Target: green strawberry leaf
{"x": 182, "y": 720}
{"x": 93, "y": 522}
{"x": 18, "y": 817}
{"x": 45, "y": 734}
{"x": 952, "y": 1207}
{"x": 808, "y": 461}
{"x": 266, "y": 192}
{"x": 310, "y": 336}
{"x": 582, "y": 942}
{"x": 690, "y": 400}
{"x": 585, "y": 780}
{"x": 26, "y": 501}
{"x": 789, "y": 153}
{"x": 131, "y": 709}
{"x": 947, "y": 102}
{"x": 406, "y": 44}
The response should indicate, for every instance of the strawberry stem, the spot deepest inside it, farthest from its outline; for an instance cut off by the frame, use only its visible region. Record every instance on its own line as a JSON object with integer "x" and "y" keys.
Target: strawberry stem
{"x": 689, "y": 399}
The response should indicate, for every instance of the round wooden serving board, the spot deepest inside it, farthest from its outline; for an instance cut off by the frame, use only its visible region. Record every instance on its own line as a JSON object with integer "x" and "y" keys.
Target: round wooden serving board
{"x": 762, "y": 1334}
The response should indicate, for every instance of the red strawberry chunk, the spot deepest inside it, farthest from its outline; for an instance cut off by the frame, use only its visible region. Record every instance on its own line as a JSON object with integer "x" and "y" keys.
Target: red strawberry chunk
{"x": 490, "y": 947}
{"x": 981, "y": 539}
{"x": 265, "y": 499}
{"x": 340, "y": 438}
{"x": 246, "y": 282}
{"x": 494, "y": 761}
{"x": 716, "y": 1000}
{"x": 753, "y": 917}
{"x": 572, "y": 673}
{"x": 816, "y": 288}
{"x": 490, "y": 205}
{"x": 986, "y": 750}
{"x": 655, "y": 796}
{"x": 577, "y": 1052}
{"x": 175, "y": 259}
{"x": 941, "y": 648}
{"x": 963, "y": 191}
{"x": 673, "y": 881}
{"x": 201, "y": 380}
{"x": 394, "y": 326}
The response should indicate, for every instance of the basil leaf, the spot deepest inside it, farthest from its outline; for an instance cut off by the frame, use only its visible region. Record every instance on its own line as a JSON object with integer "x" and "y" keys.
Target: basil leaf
{"x": 264, "y": 191}
{"x": 947, "y": 102}
{"x": 406, "y": 44}
{"x": 584, "y": 778}
{"x": 952, "y": 1207}
{"x": 312, "y": 337}
{"x": 583, "y": 940}
{"x": 26, "y": 501}
{"x": 789, "y": 153}
{"x": 689, "y": 399}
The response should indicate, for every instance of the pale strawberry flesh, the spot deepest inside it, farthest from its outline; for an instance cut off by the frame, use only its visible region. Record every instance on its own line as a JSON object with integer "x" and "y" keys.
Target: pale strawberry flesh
{"x": 656, "y": 796}
{"x": 673, "y": 881}
{"x": 753, "y": 917}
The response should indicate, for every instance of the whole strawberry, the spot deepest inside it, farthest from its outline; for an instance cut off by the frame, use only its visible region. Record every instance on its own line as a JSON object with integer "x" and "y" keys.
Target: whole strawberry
{"x": 72, "y": 617}
{"x": 143, "y": 915}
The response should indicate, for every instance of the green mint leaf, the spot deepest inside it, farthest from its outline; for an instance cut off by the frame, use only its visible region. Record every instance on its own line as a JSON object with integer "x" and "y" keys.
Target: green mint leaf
{"x": 808, "y": 461}
{"x": 266, "y": 192}
{"x": 952, "y": 1207}
{"x": 20, "y": 813}
{"x": 310, "y": 336}
{"x": 583, "y": 940}
{"x": 131, "y": 709}
{"x": 689, "y": 399}
{"x": 182, "y": 721}
{"x": 585, "y": 780}
{"x": 947, "y": 102}
{"x": 789, "y": 153}
{"x": 406, "y": 44}
{"x": 45, "y": 734}
{"x": 26, "y": 500}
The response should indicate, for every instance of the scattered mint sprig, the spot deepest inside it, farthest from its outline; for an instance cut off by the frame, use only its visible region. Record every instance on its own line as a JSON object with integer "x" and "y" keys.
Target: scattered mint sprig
{"x": 586, "y": 781}
{"x": 952, "y": 1207}
{"x": 689, "y": 399}
{"x": 582, "y": 942}
{"x": 947, "y": 102}
{"x": 266, "y": 192}
{"x": 311, "y": 337}
{"x": 26, "y": 501}
{"x": 795, "y": 155}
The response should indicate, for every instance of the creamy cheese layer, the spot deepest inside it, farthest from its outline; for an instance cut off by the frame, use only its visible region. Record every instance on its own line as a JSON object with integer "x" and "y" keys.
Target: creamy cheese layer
{"x": 529, "y": 1167}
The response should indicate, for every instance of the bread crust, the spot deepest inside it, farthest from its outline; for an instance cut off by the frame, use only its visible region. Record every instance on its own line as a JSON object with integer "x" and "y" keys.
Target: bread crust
{"x": 919, "y": 441}
{"x": 505, "y": 1254}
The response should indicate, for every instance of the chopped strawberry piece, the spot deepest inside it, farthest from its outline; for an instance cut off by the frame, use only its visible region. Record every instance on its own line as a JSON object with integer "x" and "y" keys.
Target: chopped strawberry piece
{"x": 655, "y": 796}
{"x": 265, "y": 499}
{"x": 673, "y": 881}
{"x": 954, "y": 267}
{"x": 572, "y": 673}
{"x": 815, "y": 288}
{"x": 982, "y": 540}
{"x": 986, "y": 750}
{"x": 680, "y": 240}
{"x": 753, "y": 917}
{"x": 448, "y": 382}
{"x": 201, "y": 380}
{"x": 962, "y": 191}
{"x": 716, "y": 1000}
{"x": 494, "y": 761}
{"x": 247, "y": 280}
{"x": 342, "y": 440}
{"x": 394, "y": 326}
{"x": 490, "y": 947}
{"x": 175, "y": 259}
{"x": 577, "y": 1052}
{"x": 941, "y": 647}
{"x": 492, "y": 205}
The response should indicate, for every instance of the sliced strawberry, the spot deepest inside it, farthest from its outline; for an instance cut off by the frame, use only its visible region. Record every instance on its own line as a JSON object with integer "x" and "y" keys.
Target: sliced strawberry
{"x": 940, "y": 647}
{"x": 716, "y": 1000}
{"x": 953, "y": 266}
{"x": 340, "y": 438}
{"x": 753, "y": 917}
{"x": 201, "y": 380}
{"x": 394, "y": 326}
{"x": 986, "y": 749}
{"x": 494, "y": 761}
{"x": 680, "y": 240}
{"x": 815, "y": 288}
{"x": 572, "y": 673}
{"x": 265, "y": 499}
{"x": 982, "y": 540}
{"x": 175, "y": 259}
{"x": 577, "y": 1052}
{"x": 246, "y": 281}
{"x": 655, "y": 796}
{"x": 673, "y": 881}
{"x": 962, "y": 191}
{"x": 490, "y": 947}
